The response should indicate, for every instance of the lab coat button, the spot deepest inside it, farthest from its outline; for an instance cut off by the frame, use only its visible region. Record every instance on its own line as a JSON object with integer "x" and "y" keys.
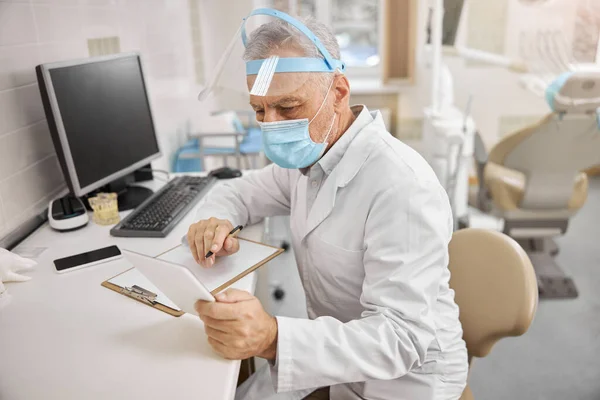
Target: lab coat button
{"x": 314, "y": 184}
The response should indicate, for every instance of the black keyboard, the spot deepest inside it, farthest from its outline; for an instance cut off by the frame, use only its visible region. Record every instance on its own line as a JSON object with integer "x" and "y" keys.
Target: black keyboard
{"x": 158, "y": 215}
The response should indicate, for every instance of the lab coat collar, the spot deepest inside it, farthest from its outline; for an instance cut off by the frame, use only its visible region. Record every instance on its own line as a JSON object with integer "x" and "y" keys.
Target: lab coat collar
{"x": 352, "y": 161}
{"x": 362, "y": 118}
{"x": 327, "y": 163}
{"x": 359, "y": 149}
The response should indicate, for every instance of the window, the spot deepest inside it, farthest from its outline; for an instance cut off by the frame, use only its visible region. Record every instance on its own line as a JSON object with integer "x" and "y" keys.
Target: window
{"x": 357, "y": 25}
{"x": 368, "y": 32}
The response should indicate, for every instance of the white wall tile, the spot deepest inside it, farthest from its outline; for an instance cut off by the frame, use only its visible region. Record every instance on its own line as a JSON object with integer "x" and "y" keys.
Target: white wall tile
{"x": 42, "y": 31}
{"x": 62, "y": 51}
{"x": 57, "y": 23}
{"x": 163, "y": 26}
{"x": 23, "y": 190}
{"x": 20, "y": 107}
{"x": 161, "y": 66}
{"x": 16, "y": 24}
{"x": 158, "y": 40}
{"x": 17, "y": 65}
{"x": 3, "y": 229}
{"x": 132, "y": 26}
{"x": 100, "y": 2}
{"x": 57, "y": 2}
{"x": 100, "y": 22}
{"x": 13, "y": 221}
{"x": 24, "y": 147}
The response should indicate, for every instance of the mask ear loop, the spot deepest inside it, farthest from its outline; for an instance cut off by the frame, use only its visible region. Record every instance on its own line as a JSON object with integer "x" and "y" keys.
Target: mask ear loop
{"x": 330, "y": 128}
{"x": 327, "y": 137}
{"x": 323, "y": 103}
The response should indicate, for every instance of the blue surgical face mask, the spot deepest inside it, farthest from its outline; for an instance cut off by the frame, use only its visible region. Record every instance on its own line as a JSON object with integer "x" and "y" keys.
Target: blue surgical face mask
{"x": 288, "y": 144}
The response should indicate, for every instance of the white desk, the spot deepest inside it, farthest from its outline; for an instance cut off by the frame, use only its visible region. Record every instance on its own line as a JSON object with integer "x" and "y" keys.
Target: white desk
{"x": 66, "y": 337}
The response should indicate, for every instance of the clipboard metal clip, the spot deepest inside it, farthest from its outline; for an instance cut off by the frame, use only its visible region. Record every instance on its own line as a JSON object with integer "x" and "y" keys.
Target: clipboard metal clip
{"x": 140, "y": 294}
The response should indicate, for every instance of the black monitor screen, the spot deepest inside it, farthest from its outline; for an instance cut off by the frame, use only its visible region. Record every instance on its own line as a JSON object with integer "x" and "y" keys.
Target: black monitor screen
{"x": 106, "y": 116}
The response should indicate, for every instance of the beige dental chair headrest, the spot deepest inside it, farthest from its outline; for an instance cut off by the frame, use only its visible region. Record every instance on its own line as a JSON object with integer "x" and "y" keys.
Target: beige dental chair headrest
{"x": 575, "y": 92}
{"x": 495, "y": 287}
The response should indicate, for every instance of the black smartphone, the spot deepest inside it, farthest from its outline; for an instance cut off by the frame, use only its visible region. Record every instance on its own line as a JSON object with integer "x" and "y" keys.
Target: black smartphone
{"x": 88, "y": 259}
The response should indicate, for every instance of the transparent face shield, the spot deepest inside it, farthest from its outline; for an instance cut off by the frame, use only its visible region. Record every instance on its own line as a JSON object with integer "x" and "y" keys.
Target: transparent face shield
{"x": 272, "y": 70}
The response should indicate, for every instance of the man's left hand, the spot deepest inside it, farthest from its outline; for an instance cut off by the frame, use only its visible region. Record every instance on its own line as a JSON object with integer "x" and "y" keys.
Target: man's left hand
{"x": 238, "y": 327}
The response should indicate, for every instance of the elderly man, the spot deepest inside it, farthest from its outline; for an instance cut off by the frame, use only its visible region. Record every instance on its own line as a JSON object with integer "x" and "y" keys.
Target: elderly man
{"x": 370, "y": 228}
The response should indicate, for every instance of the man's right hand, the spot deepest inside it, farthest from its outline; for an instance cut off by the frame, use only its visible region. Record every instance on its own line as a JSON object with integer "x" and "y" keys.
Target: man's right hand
{"x": 211, "y": 235}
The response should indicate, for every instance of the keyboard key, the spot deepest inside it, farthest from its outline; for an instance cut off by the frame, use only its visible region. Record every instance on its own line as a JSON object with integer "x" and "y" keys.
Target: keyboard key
{"x": 165, "y": 209}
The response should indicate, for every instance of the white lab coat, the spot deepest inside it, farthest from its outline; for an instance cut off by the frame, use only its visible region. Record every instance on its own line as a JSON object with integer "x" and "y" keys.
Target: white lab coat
{"x": 372, "y": 256}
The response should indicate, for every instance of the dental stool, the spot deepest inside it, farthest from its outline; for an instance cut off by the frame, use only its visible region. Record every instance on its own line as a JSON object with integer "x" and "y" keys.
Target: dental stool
{"x": 533, "y": 178}
{"x": 495, "y": 289}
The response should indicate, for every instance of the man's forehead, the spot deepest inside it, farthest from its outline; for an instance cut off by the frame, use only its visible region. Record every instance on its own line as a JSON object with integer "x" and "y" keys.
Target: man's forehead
{"x": 274, "y": 101}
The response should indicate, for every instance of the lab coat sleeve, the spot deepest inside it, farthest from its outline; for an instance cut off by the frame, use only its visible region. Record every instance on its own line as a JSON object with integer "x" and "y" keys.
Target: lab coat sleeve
{"x": 246, "y": 200}
{"x": 406, "y": 252}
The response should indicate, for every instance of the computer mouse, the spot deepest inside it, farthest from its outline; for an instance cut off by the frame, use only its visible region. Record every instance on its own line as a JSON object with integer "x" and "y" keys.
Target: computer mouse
{"x": 225, "y": 173}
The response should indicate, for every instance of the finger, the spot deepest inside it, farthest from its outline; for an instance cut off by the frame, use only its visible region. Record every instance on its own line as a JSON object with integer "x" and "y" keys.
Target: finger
{"x": 194, "y": 251}
{"x": 199, "y": 240}
{"x": 236, "y": 327}
{"x": 218, "y": 347}
{"x": 200, "y": 306}
{"x": 209, "y": 234}
{"x": 224, "y": 251}
{"x": 191, "y": 233}
{"x": 216, "y": 334}
{"x": 221, "y": 233}
{"x": 232, "y": 295}
{"x": 221, "y": 311}
{"x": 231, "y": 246}
{"x": 23, "y": 264}
{"x": 223, "y": 326}
{"x": 14, "y": 277}
{"x": 225, "y": 351}
{"x": 234, "y": 245}
{"x": 192, "y": 242}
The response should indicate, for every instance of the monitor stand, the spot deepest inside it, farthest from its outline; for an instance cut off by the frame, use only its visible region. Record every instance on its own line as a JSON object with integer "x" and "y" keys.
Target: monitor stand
{"x": 132, "y": 196}
{"x": 129, "y": 196}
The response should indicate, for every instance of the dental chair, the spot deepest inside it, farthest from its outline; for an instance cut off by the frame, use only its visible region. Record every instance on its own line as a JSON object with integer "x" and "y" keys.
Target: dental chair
{"x": 227, "y": 137}
{"x": 533, "y": 178}
{"x": 495, "y": 289}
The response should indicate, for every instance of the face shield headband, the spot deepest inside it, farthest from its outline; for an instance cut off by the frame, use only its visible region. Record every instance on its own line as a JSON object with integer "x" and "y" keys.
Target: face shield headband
{"x": 263, "y": 71}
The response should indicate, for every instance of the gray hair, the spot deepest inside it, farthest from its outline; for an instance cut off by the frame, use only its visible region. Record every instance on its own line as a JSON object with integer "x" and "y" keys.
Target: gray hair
{"x": 277, "y": 34}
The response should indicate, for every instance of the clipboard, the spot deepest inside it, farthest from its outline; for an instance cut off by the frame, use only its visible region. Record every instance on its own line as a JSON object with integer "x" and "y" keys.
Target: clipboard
{"x": 225, "y": 272}
{"x": 276, "y": 252}
{"x": 140, "y": 294}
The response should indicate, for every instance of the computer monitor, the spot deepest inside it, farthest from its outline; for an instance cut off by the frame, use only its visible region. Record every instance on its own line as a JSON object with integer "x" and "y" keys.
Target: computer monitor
{"x": 101, "y": 123}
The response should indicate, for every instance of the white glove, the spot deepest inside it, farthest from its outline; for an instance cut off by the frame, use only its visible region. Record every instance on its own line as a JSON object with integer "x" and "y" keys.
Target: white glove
{"x": 10, "y": 264}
